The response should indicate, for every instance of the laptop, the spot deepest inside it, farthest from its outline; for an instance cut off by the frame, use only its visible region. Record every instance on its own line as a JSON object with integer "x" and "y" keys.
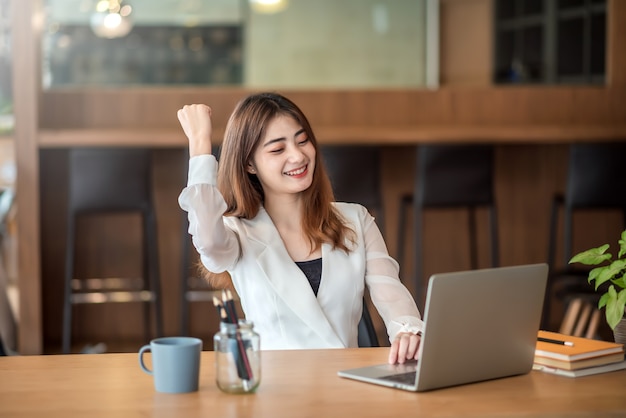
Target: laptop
{"x": 479, "y": 325}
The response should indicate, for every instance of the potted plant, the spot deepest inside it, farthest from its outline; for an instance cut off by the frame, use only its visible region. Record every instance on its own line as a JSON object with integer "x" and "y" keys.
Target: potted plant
{"x": 613, "y": 273}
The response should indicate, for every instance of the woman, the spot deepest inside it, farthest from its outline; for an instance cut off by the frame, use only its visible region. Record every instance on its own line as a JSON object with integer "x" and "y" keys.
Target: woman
{"x": 298, "y": 260}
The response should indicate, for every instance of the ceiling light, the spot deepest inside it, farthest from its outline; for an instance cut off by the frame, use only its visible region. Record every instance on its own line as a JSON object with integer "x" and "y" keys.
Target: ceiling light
{"x": 111, "y": 19}
{"x": 268, "y": 6}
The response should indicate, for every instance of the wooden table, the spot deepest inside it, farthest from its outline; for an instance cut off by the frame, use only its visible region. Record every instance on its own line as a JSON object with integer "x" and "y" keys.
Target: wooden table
{"x": 299, "y": 383}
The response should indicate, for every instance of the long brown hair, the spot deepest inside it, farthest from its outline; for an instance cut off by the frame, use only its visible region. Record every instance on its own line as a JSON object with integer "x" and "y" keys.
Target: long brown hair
{"x": 242, "y": 191}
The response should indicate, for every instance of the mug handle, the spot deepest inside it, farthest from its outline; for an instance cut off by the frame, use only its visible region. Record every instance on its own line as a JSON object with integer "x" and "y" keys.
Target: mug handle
{"x": 142, "y": 350}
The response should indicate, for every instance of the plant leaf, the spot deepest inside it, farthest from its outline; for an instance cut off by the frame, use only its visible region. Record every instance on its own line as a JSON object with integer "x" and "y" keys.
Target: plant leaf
{"x": 615, "y": 307}
{"x": 610, "y": 272}
{"x": 620, "y": 282}
{"x": 592, "y": 256}
{"x": 603, "y": 300}
{"x": 594, "y": 273}
{"x": 622, "y": 245}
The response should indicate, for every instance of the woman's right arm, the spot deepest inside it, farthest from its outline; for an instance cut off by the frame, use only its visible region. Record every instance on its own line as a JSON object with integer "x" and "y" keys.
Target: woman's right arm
{"x": 217, "y": 245}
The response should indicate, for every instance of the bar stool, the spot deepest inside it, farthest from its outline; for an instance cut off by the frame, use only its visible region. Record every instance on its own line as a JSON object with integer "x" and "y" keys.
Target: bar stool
{"x": 450, "y": 176}
{"x": 104, "y": 181}
{"x": 596, "y": 179}
{"x": 354, "y": 172}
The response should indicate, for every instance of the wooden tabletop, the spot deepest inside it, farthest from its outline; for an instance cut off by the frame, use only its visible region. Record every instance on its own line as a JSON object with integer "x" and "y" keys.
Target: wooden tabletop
{"x": 299, "y": 383}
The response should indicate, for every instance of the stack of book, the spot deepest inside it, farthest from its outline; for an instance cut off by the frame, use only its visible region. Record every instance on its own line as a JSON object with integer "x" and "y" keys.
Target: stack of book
{"x": 576, "y": 356}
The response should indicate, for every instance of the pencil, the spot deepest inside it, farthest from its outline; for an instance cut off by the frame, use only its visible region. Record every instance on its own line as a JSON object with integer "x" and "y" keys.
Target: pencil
{"x": 553, "y": 341}
{"x": 243, "y": 363}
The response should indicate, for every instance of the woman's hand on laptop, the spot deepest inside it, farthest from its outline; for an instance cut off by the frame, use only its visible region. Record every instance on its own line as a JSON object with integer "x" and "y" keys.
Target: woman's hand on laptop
{"x": 404, "y": 347}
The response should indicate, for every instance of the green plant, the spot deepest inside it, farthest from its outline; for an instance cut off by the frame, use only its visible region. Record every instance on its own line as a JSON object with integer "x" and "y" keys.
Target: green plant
{"x": 614, "y": 273}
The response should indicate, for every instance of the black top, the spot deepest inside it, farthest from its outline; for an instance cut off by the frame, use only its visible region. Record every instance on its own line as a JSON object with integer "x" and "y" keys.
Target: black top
{"x": 312, "y": 269}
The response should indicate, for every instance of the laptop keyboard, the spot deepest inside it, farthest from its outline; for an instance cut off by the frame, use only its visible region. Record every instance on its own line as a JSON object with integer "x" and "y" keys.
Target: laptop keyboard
{"x": 406, "y": 378}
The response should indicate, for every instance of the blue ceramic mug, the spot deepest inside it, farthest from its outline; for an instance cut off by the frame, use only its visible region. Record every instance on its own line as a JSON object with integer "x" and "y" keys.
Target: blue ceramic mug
{"x": 175, "y": 363}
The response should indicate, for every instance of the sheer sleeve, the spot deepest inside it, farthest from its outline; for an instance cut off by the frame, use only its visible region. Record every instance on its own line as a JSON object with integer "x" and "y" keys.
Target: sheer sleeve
{"x": 394, "y": 302}
{"x": 217, "y": 244}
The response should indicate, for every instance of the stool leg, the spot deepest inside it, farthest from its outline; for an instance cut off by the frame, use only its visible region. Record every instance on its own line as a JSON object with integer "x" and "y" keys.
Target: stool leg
{"x": 495, "y": 242}
{"x": 67, "y": 288}
{"x": 184, "y": 277}
{"x": 153, "y": 274}
{"x": 473, "y": 240}
{"x": 418, "y": 255}
{"x": 405, "y": 202}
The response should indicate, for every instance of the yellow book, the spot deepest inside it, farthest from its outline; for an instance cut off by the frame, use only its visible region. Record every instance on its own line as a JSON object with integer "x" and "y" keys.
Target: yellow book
{"x": 568, "y": 348}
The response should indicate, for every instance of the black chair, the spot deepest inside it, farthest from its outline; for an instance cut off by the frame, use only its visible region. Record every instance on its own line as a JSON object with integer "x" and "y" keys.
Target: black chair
{"x": 450, "y": 176}
{"x": 596, "y": 180}
{"x": 105, "y": 181}
{"x": 354, "y": 172}
{"x": 367, "y": 331}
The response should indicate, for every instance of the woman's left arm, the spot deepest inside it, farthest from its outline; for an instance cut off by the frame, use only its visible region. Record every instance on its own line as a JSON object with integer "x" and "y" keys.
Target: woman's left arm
{"x": 392, "y": 299}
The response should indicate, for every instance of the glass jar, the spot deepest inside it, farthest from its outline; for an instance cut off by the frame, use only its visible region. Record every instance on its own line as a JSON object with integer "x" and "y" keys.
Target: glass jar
{"x": 237, "y": 357}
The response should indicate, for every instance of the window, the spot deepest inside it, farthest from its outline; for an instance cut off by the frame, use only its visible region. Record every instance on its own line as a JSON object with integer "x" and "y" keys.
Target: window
{"x": 550, "y": 41}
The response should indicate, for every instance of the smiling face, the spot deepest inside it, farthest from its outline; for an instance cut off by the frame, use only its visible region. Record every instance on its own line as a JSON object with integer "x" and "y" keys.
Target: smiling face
{"x": 284, "y": 160}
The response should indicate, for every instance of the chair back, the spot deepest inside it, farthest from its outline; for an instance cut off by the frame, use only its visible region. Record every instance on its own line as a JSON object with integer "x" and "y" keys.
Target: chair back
{"x": 367, "y": 331}
{"x": 109, "y": 179}
{"x": 354, "y": 172}
{"x": 596, "y": 176}
{"x": 455, "y": 175}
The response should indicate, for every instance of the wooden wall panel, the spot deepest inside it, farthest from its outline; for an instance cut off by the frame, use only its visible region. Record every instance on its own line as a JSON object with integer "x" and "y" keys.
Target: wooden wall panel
{"x": 450, "y": 107}
{"x": 465, "y": 42}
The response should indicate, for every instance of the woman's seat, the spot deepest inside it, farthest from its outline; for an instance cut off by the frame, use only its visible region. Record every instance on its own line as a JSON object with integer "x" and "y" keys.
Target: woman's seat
{"x": 354, "y": 172}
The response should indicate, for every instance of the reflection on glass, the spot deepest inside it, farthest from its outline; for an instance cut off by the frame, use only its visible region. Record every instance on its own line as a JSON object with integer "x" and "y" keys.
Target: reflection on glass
{"x": 299, "y": 43}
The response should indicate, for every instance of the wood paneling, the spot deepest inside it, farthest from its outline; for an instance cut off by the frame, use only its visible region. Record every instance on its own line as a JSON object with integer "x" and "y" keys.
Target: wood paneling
{"x": 616, "y": 28}
{"x": 465, "y": 42}
{"x": 520, "y": 107}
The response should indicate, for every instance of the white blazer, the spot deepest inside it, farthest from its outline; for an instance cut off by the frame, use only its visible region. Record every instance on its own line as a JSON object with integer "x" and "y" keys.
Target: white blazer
{"x": 275, "y": 294}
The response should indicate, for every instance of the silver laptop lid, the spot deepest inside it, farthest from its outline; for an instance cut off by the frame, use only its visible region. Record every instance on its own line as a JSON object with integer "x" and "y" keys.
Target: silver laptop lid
{"x": 480, "y": 325}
